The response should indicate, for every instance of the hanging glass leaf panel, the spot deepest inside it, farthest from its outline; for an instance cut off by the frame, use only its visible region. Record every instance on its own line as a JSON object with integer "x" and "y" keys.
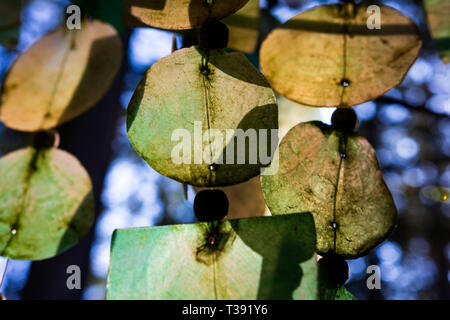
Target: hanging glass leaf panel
{"x": 46, "y": 203}
{"x": 255, "y": 258}
{"x": 62, "y": 75}
{"x": 329, "y": 57}
{"x": 345, "y": 188}
{"x": 177, "y": 14}
{"x": 182, "y": 120}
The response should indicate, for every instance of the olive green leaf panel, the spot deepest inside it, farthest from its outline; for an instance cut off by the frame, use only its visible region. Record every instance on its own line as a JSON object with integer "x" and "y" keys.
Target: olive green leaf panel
{"x": 244, "y": 27}
{"x": 9, "y": 22}
{"x": 438, "y": 13}
{"x": 62, "y": 75}
{"x": 109, "y": 11}
{"x": 255, "y": 258}
{"x": 175, "y": 104}
{"x": 307, "y": 180}
{"x": 328, "y": 57}
{"x": 46, "y": 203}
{"x": 176, "y": 14}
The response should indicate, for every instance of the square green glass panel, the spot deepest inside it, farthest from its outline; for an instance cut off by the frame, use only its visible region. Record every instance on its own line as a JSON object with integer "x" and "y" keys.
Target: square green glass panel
{"x": 255, "y": 258}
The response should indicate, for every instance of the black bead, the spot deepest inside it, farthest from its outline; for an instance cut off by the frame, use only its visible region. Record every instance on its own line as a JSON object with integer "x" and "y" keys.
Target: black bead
{"x": 44, "y": 139}
{"x": 210, "y": 205}
{"x": 344, "y": 119}
{"x": 336, "y": 267}
{"x": 213, "y": 35}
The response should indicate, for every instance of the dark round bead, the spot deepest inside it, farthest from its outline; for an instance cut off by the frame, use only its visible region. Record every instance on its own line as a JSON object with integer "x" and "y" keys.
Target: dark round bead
{"x": 344, "y": 119}
{"x": 45, "y": 139}
{"x": 210, "y": 205}
{"x": 336, "y": 267}
{"x": 213, "y": 35}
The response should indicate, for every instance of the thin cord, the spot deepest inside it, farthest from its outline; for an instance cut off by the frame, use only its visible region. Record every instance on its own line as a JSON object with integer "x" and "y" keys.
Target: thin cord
{"x": 214, "y": 275}
{"x": 343, "y": 155}
{"x": 174, "y": 42}
{"x": 4, "y": 273}
{"x": 348, "y": 17}
{"x": 62, "y": 67}
{"x": 206, "y": 93}
{"x": 344, "y": 81}
{"x": 205, "y": 72}
{"x": 334, "y": 223}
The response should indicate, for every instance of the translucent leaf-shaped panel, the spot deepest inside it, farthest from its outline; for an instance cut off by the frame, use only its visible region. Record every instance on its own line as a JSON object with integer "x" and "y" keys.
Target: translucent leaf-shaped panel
{"x": 177, "y": 14}
{"x": 46, "y": 203}
{"x": 329, "y": 57}
{"x": 346, "y": 188}
{"x": 255, "y": 258}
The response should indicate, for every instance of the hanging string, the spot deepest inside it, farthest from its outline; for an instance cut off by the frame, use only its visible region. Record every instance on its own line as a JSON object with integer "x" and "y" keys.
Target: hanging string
{"x": 345, "y": 82}
{"x": 3, "y": 274}
{"x": 174, "y": 42}
{"x": 205, "y": 71}
{"x": 344, "y": 121}
{"x": 214, "y": 258}
{"x": 39, "y": 137}
{"x": 71, "y": 46}
{"x": 205, "y": 80}
{"x": 213, "y": 35}
{"x": 342, "y": 157}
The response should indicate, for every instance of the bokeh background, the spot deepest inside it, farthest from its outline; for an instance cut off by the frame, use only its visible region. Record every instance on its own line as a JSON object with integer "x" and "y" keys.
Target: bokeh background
{"x": 409, "y": 127}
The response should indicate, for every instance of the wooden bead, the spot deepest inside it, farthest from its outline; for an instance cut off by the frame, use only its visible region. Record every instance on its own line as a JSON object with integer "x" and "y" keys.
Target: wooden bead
{"x": 210, "y": 205}
{"x": 344, "y": 119}
{"x": 336, "y": 267}
{"x": 213, "y": 35}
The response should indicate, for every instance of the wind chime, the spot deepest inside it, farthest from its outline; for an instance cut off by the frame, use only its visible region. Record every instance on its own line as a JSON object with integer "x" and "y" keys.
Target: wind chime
{"x": 331, "y": 171}
{"x": 324, "y": 57}
{"x": 326, "y": 192}
{"x": 46, "y": 199}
